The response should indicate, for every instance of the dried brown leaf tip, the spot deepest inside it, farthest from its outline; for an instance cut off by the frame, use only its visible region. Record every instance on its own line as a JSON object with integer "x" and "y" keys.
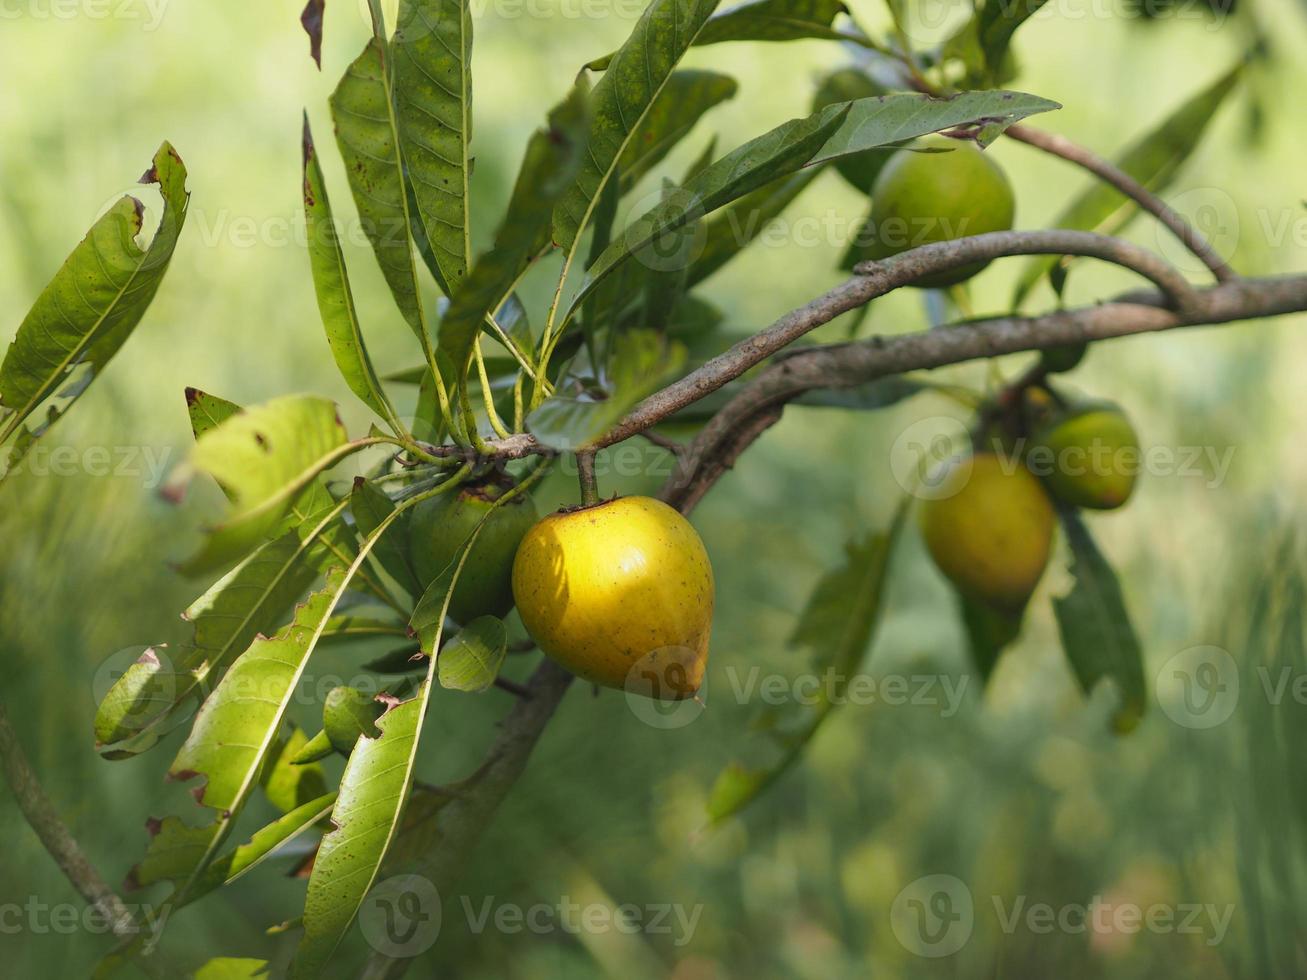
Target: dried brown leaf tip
{"x": 311, "y": 20}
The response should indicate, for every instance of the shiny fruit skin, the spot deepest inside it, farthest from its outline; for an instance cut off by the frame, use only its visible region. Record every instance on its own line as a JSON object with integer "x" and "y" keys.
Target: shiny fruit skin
{"x": 1089, "y": 459}
{"x": 621, "y": 594}
{"x": 989, "y": 529}
{"x": 920, "y": 198}
{"x": 441, "y": 525}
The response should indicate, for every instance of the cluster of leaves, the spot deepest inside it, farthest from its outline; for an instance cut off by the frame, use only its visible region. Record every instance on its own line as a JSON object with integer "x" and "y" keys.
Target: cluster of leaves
{"x": 304, "y": 563}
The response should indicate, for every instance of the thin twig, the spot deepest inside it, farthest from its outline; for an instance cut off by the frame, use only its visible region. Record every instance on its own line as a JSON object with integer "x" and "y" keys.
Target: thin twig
{"x": 1060, "y": 146}
{"x": 55, "y": 835}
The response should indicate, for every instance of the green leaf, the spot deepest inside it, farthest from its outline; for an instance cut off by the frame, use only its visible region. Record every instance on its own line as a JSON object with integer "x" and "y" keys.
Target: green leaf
{"x": 834, "y": 132}
{"x": 989, "y": 632}
{"x": 347, "y": 714}
{"x": 288, "y": 783}
{"x": 363, "y": 108}
{"x": 432, "y": 51}
{"x": 314, "y": 750}
{"x": 175, "y": 847}
{"x": 774, "y": 20}
{"x": 642, "y": 359}
{"x": 996, "y": 23}
{"x": 846, "y": 85}
{"x": 237, "y": 725}
{"x": 1154, "y": 161}
{"x": 264, "y": 458}
{"x": 91, "y": 306}
{"x": 685, "y": 97}
{"x": 738, "y": 225}
{"x": 208, "y": 411}
{"x": 621, "y": 102}
{"x": 471, "y": 660}
{"x": 1095, "y": 626}
{"x": 335, "y": 298}
{"x": 837, "y": 627}
{"x": 251, "y": 599}
{"x": 552, "y": 158}
{"x": 765, "y": 20}
{"x": 370, "y": 506}
{"x": 377, "y": 780}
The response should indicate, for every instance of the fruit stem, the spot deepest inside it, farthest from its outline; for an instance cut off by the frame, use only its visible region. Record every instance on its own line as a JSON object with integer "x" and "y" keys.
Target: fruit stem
{"x": 585, "y": 471}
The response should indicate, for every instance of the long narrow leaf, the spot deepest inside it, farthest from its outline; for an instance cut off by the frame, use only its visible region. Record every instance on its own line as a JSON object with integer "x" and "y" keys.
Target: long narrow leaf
{"x": 834, "y": 132}
{"x": 373, "y": 790}
{"x": 1095, "y": 626}
{"x": 432, "y": 50}
{"x": 367, "y": 133}
{"x": 335, "y": 298}
{"x": 623, "y": 97}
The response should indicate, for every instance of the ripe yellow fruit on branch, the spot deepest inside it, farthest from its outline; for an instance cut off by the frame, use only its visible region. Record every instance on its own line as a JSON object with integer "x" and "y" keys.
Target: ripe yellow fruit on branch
{"x": 621, "y": 594}
{"x": 989, "y": 528}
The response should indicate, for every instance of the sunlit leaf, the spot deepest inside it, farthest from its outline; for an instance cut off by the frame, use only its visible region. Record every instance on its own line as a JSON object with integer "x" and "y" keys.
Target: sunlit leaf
{"x": 287, "y": 783}
{"x": 90, "y": 307}
{"x": 264, "y": 458}
{"x": 470, "y": 661}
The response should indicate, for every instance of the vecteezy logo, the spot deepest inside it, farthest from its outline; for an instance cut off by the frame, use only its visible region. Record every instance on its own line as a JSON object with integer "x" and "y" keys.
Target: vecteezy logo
{"x": 925, "y": 451}
{"x": 933, "y": 916}
{"x": 401, "y": 916}
{"x": 1199, "y": 687}
{"x": 664, "y": 689}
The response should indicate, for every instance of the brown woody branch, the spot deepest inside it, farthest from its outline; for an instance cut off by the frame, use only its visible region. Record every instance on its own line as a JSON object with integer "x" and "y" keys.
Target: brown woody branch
{"x": 760, "y": 403}
{"x": 1060, "y": 146}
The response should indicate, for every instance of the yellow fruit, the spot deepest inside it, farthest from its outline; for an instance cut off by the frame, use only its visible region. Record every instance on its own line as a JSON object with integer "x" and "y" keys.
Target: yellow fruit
{"x": 621, "y": 594}
{"x": 1089, "y": 459}
{"x": 439, "y": 528}
{"x": 921, "y": 198}
{"x": 989, "y": 527}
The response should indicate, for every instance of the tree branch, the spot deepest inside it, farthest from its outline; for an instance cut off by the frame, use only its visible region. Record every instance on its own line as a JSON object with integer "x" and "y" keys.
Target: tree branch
{"x": 759, "y": 403}
{"x": 1060, "y": 146}
{"x": 55, "y": 835}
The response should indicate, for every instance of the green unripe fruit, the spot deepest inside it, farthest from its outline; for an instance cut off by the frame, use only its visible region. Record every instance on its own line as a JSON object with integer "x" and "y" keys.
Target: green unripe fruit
{"x": 1089, "y": 459}
{"x": 845, "y": 85}
{"x": 920, "y": 198}
{"x": 441, "y": 525}
{"x": 989, "y": 528}
{"x": 1063, "y": 358}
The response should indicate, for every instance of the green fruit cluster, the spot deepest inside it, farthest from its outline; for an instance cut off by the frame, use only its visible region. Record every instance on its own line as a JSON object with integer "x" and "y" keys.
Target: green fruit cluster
{"x": 989, "y": 521}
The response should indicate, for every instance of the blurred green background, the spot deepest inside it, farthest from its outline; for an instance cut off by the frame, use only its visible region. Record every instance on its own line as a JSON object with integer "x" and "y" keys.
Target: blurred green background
{"x": 1019, "y": 794}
